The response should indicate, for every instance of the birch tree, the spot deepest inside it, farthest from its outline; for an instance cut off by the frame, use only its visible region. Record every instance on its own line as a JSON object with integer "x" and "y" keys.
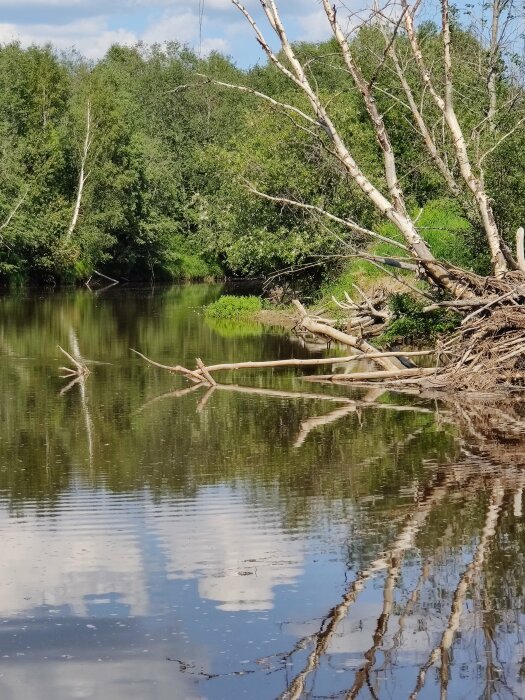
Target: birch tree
{"x": 83, "y": 172}
{"x": 428, "y": 91}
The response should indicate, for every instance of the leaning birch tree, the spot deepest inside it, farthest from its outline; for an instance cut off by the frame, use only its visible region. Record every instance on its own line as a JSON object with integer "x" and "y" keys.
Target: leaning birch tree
{"x": 83, "y": 174}
{"x": 458, "y": 157}
{"x": 488, "y": 349}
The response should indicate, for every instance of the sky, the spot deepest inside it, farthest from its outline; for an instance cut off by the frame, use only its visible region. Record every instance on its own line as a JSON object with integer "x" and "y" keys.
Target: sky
{"x": 91, "y": 26}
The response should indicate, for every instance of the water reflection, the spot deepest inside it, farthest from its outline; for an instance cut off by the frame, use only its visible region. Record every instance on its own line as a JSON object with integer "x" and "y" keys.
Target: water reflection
{"x": 160, "y": 540}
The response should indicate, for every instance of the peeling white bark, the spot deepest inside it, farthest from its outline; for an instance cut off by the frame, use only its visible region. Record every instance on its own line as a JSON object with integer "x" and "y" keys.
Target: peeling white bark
{"x": 392, "y": 208}
{"x": 446, "y": 106}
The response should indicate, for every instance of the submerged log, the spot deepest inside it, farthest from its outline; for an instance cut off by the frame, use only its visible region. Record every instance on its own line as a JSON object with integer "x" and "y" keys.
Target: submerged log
{"x": 378, "y": 374}
{"x": 354, "y": 341}
{"x": 203, "y": 372}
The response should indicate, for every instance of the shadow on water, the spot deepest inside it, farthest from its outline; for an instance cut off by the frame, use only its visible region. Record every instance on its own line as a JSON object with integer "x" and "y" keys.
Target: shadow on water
{"x": 253, "y": 540}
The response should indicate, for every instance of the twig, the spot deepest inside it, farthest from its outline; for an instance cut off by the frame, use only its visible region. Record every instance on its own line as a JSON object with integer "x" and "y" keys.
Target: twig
{"x": 81, "y": 369}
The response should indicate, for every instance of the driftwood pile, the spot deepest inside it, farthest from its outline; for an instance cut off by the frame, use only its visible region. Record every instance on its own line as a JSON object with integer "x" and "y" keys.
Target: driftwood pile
{"x": 367, "y": 316}
{"x": 486, "y": 355}
{"x": 492, "y": 429}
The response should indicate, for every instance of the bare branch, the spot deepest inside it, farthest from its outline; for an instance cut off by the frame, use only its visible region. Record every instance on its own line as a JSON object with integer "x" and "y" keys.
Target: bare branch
{"x": 13, "y": 211}
{"x": 502, "y": 139}
{"x": 348, "y": 223}
{"x": 446, "y": 106}
{"x": 261, "y": 95}
{"x": 393, "y": 209}
{"x": 423, "y": 129}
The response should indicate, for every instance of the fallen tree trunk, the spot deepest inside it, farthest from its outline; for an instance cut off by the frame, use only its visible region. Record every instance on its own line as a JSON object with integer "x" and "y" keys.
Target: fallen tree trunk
{"x": 374, "y": 376}
{"x": 353, "y": 341}
{"x": 203, "y": 372}
{"x": 485, "y": 355}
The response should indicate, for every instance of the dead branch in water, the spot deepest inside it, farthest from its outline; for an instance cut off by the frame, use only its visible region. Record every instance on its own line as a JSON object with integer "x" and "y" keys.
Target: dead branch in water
{"x": 442, "y": 651}
{"x": 372, "y": 376}
{"x": 394, "y": 364}
{"x": 280, "y": 394}
{"x": 346, "y": 406}
{"x": 317, "y": 421}
{"x": 80, "y": 369}
{"x": 388, "y": 562}
{"x": 316, "y": 326}
{"x": 485, "y": 354}
{"x": 203, "y": 373}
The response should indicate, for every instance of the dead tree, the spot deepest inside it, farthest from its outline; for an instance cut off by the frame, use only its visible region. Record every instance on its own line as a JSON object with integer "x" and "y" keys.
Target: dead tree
{"x": 428, "y": 90}
{"x": 83, "y": 174}
{"x": 319, "y": 122}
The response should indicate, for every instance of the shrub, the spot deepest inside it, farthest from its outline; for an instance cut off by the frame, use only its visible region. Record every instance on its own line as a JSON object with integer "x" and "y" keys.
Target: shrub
{"x": 411, "y": 324}
{"x": 235, "y": 308}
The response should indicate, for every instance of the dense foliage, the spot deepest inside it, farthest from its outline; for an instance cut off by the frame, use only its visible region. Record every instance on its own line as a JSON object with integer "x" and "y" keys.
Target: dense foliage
{"x": 234, "y": 307}
{"x": 411, "y": 324}
{"x": 169, "y": 156}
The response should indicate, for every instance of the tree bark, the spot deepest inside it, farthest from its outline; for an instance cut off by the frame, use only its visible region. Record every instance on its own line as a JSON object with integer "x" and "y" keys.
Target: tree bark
{"x": 446, "y": 106}
{"x": 393, "y": 209}
{"x": 83, "y": 176}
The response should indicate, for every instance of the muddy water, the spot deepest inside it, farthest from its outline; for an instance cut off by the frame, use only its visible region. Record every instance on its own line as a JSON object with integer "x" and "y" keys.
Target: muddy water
{"x": 159, "y": 544}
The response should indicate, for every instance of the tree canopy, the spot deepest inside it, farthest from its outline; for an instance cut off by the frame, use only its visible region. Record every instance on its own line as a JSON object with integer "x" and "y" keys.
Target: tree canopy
{"x": 163, "y": 161}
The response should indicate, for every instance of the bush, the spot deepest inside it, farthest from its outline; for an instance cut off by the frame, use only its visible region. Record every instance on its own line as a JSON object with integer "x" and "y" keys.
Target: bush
{"x": 411, "y": 324}
{"x": 235, "y": 308}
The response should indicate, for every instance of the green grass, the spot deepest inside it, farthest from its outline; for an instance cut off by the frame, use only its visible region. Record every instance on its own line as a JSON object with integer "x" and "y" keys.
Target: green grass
{"x": 234, "y": 329}
{"x": 448, "y": 234}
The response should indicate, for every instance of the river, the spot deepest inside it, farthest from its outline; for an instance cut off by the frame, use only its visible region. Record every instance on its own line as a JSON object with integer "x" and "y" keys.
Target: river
{"x": 159, "y": 543}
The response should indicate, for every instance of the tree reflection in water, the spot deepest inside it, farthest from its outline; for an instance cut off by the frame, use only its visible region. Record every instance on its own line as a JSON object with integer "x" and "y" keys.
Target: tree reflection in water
{"x": 492, "y": 465}
{"x": 419, "y": 500}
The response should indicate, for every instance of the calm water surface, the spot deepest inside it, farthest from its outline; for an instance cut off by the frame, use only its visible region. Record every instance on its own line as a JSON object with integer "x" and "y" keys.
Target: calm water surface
{"x": 236, "y": 544}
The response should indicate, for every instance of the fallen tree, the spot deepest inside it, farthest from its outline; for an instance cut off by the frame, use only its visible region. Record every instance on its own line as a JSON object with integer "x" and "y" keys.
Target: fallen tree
{"x": 486, "y": 353}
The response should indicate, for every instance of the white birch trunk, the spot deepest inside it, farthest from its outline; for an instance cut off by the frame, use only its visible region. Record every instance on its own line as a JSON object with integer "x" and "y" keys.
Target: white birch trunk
{"x": 446, "y": 106}
{"x": 83, "y": 176}
{"x": 393, "y": 209}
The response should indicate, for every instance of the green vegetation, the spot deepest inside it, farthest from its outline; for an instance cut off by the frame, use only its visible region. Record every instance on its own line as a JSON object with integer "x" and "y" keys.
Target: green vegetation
{"x": 411, "y": 324}
{"x": 164, "y": 191}
{"x": 230, "y": 307}
{"x": 451, "y": 238}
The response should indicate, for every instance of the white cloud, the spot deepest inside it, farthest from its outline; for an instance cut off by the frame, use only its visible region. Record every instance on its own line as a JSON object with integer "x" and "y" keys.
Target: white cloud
{"x": 185, "y": 28}
{"x": 65, "y": 561}
{"x": 237, "y": 553}
{"x": 220, "y": 45}
{"x": 138, "y": 676}
{"x": 92, "y": 37}
{"x": 180, "y": 27}
{"x": 314, "y": 26}
{"x": 93, "y": 25}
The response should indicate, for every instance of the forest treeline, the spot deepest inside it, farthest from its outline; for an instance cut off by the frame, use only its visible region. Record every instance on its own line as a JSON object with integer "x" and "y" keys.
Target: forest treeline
{"x": 140, "y": 167}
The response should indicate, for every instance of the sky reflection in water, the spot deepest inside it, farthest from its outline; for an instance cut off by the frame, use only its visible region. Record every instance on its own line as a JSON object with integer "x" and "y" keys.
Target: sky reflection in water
{"x": 238, "y": 547}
